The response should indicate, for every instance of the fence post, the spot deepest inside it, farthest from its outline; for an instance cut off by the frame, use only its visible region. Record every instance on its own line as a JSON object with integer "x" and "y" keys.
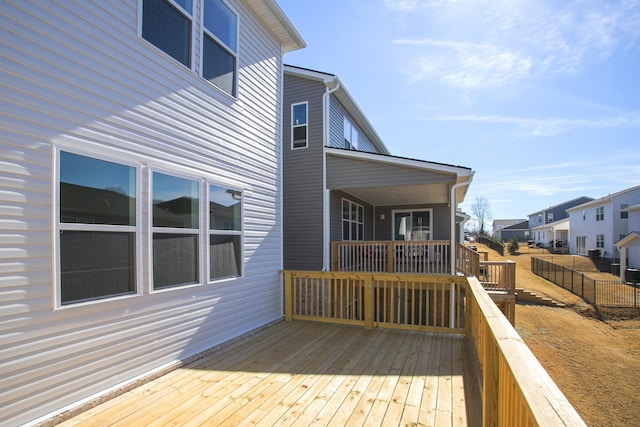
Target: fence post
{"x": 582, "y": 293}
{"x": 368, "y": 302}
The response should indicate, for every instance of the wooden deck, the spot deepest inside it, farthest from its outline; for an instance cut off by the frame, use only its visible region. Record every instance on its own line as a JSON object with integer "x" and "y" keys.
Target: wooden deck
{"x": 309, "y": 373}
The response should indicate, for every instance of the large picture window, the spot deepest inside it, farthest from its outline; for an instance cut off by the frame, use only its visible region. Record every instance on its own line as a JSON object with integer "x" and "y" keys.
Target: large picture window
{"x": 225, "y": 232}
{"x": 167, "y": 25}
{"x": 220, "y": 45}
{"x": 299, "y": 125}
{"x": 97, "y": 228}
{"x": 176, "y": 226}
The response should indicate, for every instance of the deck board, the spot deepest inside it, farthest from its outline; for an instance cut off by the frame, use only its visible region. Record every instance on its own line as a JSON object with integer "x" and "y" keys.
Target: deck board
{"x": 306, "y": 374}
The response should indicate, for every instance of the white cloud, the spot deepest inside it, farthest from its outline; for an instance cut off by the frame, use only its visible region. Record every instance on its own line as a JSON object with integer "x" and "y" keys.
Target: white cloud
{"x": 512, "y": 40}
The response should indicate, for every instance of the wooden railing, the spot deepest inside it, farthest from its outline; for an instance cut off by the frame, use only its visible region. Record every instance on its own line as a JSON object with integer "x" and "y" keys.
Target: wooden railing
{"x": 395, "y": 256}
{"x": 516, "y": 390}
{"x": 407, "y": 301}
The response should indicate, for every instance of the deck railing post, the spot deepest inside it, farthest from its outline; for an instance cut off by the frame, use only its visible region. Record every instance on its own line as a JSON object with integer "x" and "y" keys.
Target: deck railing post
{"x": 368, "y": 302}
{"x": 288, "y": 296}
{"x": 390, "y": 266}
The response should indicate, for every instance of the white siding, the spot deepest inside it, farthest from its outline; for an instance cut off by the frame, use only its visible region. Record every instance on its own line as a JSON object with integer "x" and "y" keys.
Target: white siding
{"x": 76, "y": 76}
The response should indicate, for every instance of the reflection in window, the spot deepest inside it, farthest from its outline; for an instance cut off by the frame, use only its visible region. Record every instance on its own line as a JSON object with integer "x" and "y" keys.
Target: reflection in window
{"x": 299, "y": 125}
{"x": 168, "y": 28}
{"x": 219, "y": 52}
{"x": 225, "y": 232}
{"x": 176, "y": 222}
{"x": 96, "y": 229}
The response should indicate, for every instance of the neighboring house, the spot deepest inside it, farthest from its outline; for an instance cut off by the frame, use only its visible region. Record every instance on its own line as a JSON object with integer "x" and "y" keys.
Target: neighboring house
{"x": 520, "y": 231}
{"x": 554, "y": 235}
{"x": 600, "y": 223}
{"x": 341, "y": 183}
{"x": 140, "y": 202}
{"x": 629, "y": 245}
{"x": 499, "y": 224}
{"x": 549, "y": 215}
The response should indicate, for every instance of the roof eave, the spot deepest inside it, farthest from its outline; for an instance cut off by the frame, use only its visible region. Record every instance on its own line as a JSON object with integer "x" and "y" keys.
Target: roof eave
{"x": 279, "y": 24}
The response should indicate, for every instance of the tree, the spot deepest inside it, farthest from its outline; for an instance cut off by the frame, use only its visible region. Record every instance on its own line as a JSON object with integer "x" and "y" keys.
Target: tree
{"x": 481, "y": 210}
{"x": 513, "y": 245}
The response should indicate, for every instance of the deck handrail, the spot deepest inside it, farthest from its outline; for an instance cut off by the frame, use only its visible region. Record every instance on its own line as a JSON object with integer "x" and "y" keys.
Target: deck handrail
{"x": 516, "y": 390}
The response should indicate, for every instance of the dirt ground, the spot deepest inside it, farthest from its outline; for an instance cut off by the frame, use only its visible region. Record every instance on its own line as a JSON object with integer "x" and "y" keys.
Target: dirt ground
{"x": 593, "y": 357}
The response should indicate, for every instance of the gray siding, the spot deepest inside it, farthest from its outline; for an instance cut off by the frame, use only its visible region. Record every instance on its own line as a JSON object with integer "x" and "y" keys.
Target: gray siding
{"x": 336, "y": 128}
{"x": 336, "y": 216}
{"x": 76, "y": 76}
{"x": 302, "y": 178}
{"x": 441, "y": 220}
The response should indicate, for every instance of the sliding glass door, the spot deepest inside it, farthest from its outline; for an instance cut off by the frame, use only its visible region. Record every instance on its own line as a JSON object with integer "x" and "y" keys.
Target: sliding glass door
{"x": 412, "y": 224}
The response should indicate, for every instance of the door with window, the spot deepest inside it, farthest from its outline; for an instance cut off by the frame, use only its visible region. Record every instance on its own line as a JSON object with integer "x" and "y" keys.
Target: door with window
{"x": 412, "y": 225}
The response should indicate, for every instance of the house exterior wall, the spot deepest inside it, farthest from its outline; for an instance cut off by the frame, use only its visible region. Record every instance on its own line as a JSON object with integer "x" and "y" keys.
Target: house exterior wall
{"x": 557, "y": 212}
{"x": 336, "y": 128}
{"x": 633, "y": 253}
{"x": 303, "y": 179}
{"x": 441, "y": 225}
{"x": 336, "y": 215}
{"x": 77, "y": 77}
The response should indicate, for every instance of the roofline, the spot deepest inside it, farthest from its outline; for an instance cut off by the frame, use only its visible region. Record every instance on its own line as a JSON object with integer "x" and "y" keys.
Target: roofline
{"x": 275, "y": 19}
{"x": 628, "y": 238}
{"x": 345, "y": 98}
{"x": 606, "y": 198}
{"x": 551, "y": 224}
{"x": 560, "y": 204}
{"x": 459, "y": 171}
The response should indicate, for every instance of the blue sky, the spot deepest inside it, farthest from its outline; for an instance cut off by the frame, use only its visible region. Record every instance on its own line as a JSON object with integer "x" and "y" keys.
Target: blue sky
{"x": 540, "y": 98}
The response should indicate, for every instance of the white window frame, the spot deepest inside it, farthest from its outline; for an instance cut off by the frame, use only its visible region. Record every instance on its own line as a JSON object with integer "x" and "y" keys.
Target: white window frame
{"x": 600, "y": 241}
{"x": 204, "y": 32}
{"x": 350, "y": 134}
{"x": 411, "y": 211}
{"x": 624, "y": 213}
{"x": 600, "y": 213}
{"x": 169, "y": 230}
{"x": 59, "y": 227}
{"x": 215, "y": 232}
{"x": 294, "y": 126}
{"x": 353, "y": 222}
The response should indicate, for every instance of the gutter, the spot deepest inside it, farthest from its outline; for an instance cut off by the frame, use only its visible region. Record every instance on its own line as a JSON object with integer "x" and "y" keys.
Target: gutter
{"x": 454, "y": 205}
{"x": 326, "y": 211}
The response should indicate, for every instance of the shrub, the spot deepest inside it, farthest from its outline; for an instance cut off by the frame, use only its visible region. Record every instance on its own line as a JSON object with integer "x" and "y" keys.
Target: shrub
{"x": 513, "y": 246}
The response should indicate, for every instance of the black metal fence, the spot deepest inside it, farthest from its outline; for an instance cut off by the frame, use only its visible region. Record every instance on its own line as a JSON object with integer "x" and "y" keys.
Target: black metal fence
{"x": 601, "y": 293}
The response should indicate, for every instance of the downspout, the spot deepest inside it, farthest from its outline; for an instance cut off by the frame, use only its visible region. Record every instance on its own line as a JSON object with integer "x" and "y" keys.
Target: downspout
{"x": 326, "y": 209}
{"x": 454, "y": 205}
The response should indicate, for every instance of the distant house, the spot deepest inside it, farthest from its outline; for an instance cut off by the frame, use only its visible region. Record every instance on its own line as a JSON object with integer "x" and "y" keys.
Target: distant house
{"x": 140, "y": 202}
{"x": 629, "y": 245}
{"x": 342, "y": 184}
{"x": 600, "y": 223}
{"x": 554, "y": 235}
{"x": 499, "y": 224}
{"x": 549, "y": 215}
{"x": 520, "y": 231}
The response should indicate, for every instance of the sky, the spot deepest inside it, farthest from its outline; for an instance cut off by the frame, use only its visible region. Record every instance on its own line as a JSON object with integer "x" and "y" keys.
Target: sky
{"x": 540, "y": 98}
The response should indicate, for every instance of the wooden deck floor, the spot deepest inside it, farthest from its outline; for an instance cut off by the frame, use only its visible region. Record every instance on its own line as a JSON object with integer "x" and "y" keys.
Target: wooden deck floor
{"x": 306, "y": 373}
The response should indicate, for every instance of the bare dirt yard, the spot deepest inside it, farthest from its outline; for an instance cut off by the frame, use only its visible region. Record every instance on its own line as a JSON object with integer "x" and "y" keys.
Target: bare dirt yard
{"x": 593, "y": 356}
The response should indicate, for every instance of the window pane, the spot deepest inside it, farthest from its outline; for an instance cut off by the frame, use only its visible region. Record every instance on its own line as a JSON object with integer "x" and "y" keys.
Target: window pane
{"x": 225, "y": 209}
{"x": 346, "y": 233}
{"x": 299, "y": 116}
{"x": 96, "y": 265}
{"x": 222, "y": 22}
{"x": 300, "y": 136}
{"x": 225, "y": 257}
{"x": 360, "y": 213}
{"x": 167, "y": 29}
{"x": 186, "y": 5}
{"x": 95, "y": 191}
{"x": 175, "y": 259}
{"x": 219, "y": 66}
{"x": 175, "y": 202}
{"x": 345, "y": 209}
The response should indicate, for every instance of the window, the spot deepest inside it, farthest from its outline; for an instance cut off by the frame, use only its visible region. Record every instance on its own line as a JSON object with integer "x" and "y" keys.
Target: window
{"x": 352, "y": 220}
{"x": 225, "y": 232}
{"x": 220, "y": 45}
{"x": 167, "y": 25}
{"x": 581, "y": 244}
{"x": 412, "y": 225}
{"x": 299, "y": 125}
{"x": 584, "y": 215}
{"x": 623, "y": 211}
{"x": 175, "y": 229}
{"x": 599, "y": 240}
{"x": 600, "y": 213}
{"x": 549, "y": 217}
{"x": 97, "y": 229}
{"x": 350, "y": 135}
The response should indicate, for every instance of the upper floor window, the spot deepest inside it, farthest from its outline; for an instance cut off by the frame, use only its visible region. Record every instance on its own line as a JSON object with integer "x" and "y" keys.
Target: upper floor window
{"x": 550, "y": 217}
{"x": 220, "y": 45}
{"x": 623, "y": 210}
{"x": 299, "y": 125}
{"x": 600, "y": 213}
{"x": 350, "y": 135}
{"x": 97, "y": 228}
{"x": 168, "y": 24}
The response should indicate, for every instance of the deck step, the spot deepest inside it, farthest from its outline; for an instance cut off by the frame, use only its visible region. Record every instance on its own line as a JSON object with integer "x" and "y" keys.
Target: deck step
{"x": 531, "y": 296}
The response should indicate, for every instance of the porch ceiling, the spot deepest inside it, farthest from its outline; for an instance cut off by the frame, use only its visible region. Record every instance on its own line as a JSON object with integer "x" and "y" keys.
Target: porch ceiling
{"x": 392, "y": 195}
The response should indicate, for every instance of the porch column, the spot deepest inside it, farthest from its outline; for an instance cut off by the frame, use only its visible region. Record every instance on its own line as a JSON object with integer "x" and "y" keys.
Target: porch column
{"x": 326, "y": 232}
{"x": 623, "y": 263}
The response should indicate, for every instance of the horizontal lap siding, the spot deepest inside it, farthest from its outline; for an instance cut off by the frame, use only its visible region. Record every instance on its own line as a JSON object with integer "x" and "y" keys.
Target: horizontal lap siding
{"x": 75, "y": 74}
{"x": 337, "y": 115}
{"x": 302, "y": 176}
